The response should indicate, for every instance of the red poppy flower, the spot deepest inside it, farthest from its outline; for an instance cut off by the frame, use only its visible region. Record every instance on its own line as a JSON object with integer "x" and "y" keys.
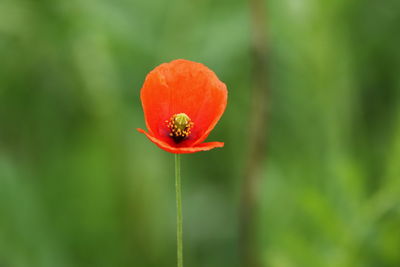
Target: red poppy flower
{"x": 182, "y": 102}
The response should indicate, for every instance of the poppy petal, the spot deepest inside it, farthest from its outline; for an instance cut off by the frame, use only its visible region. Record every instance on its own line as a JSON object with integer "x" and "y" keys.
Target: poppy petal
{"x": 181, "y": 150}
{"x": 183, "y": 86}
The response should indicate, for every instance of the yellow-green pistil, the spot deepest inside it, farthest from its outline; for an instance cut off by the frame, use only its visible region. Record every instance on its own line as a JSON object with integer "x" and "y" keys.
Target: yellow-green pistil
{"x": 180, "y": 126}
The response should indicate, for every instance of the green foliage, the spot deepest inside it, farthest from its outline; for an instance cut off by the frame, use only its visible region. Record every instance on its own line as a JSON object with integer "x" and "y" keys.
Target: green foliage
{"x": 80, "y": 187}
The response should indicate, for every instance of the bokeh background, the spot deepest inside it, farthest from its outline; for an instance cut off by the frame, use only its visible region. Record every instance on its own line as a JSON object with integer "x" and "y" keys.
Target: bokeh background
{"x": 80, "y": 187}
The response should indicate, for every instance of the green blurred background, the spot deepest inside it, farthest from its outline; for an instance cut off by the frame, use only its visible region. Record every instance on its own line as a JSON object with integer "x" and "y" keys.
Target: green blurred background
{"x": 80, "y": 187}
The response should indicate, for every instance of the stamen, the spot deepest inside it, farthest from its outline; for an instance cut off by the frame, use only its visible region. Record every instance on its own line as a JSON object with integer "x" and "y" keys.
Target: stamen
{"x": 180, "y": 126}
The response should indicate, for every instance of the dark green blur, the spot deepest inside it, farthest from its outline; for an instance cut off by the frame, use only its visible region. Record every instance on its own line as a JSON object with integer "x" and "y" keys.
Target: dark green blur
{"x": 79, "y": 187}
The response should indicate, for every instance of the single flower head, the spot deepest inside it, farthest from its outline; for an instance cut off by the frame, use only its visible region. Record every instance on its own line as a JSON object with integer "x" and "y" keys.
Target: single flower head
{"x": 182, "y": 101}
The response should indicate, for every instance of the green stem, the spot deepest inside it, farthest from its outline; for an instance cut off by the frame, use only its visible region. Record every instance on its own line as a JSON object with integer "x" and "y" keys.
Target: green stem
{"x": 178, "y": 209}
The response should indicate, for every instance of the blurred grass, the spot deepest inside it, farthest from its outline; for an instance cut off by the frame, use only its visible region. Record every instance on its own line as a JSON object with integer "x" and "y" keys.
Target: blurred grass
{"x": 80, "y": 187}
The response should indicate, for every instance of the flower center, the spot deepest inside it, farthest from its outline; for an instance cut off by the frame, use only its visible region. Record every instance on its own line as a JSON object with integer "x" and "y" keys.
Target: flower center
{"x": 180, "y": 126}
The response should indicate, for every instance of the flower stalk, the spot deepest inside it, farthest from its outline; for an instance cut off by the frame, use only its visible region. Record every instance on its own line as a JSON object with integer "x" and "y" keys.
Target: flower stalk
{"x": 178, "y": 210}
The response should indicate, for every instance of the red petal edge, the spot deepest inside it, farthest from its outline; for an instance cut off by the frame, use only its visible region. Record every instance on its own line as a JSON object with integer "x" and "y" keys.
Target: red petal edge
{"x": 181, "y": 150}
